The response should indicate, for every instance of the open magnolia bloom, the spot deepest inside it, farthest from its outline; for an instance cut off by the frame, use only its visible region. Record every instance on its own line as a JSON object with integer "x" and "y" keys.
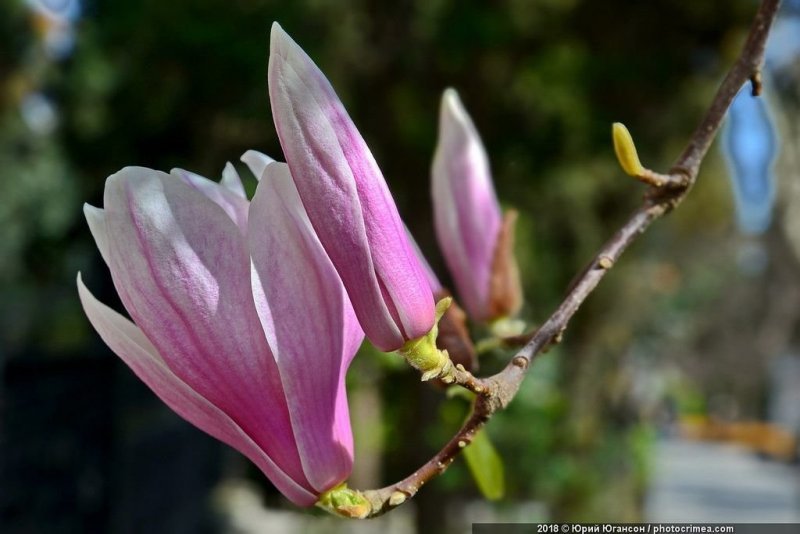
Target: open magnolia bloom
{"x": 476, "y": 240}
{"x": 347, "y": 200}
{"x": 241, "y": 324}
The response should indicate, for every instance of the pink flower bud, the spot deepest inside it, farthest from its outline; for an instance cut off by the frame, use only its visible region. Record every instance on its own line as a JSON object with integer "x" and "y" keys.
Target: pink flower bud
{"x": 347, "y": 200}
{"x": 474, "y": 239}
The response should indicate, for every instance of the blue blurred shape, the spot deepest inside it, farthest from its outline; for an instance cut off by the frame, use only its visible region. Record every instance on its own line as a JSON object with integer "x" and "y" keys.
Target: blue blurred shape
{"x": 39, "y": 113}
{"x": 783, "y": 45}
{"x": 750, "y": 146}
{"x": 68, "y": 10}
{"x": 58, "y": 19}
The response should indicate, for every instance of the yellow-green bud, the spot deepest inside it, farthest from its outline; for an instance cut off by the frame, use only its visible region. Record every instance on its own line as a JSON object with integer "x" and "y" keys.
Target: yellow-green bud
{"x": 626, "y": 150}
{"x": 345, "y": 502}
{"x": 506, "y": 327}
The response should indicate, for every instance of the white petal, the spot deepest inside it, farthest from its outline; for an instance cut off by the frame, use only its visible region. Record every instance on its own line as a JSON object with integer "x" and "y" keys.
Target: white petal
{"x": 256, "y": 162}
{"x": 96, "y": 218}
{"x": 232, "y": 181}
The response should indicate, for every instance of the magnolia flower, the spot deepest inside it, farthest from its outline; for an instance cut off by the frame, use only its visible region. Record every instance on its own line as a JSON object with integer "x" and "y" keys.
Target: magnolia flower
{"x": 240, "y": 323}
{"x": 347, "y": 200}
{"x": 475, "y": 239}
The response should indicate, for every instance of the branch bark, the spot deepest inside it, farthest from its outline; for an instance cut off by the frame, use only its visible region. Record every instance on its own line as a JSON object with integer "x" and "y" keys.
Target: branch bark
{"x": 494, "y": 393}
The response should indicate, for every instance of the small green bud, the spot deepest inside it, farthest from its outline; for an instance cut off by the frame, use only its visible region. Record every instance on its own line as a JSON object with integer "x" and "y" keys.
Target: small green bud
{"x": 506, "y": 327}
{"x": 626, "y": 150}
{"x": 345, "y": 502}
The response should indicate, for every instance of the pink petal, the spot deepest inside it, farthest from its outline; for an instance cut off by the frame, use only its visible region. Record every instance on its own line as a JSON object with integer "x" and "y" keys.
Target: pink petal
{"x": 234, "y": 204}
{"x": 130, "y": 344}
{"x": 467, "y": 215}
{"x": 309, "y": 324}
{"x": 347, "y": 199}
{"x": 181, "y": 267}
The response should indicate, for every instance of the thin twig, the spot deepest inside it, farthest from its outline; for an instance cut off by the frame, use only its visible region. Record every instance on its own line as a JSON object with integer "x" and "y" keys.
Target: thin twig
{"x": 498, "y": 390}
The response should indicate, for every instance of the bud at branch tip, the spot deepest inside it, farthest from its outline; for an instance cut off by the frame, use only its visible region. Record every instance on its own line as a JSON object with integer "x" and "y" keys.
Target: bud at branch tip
{"x": 626, "y": 150}
{"x": 629, "y": 160}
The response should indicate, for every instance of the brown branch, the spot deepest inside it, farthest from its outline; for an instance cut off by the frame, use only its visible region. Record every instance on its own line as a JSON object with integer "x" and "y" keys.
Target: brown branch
{"x": 746, "y": 68}
{"x": 498, "y": 390}
{"x": 384, "y": 499}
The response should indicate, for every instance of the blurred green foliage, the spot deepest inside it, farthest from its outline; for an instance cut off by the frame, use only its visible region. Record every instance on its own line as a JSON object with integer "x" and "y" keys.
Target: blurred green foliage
{"x": 183, "y": 83}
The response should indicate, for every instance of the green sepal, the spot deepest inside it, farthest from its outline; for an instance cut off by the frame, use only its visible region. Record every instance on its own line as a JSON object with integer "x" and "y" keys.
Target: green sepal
{"x": 422, "y": 354}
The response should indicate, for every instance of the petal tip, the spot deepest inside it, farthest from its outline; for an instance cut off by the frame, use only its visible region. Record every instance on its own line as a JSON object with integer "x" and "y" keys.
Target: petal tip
{"x": 96, "y": 219}
{"x": 286, "y": 49}
{"x": 452, "y": 107}
{"x": 278, "y": 39}
{"x": 257, "y": 162}
{"x": 89, "y": 210}
{"x": 450, "y": 97}
{"x": 84, "y": 295}
{"x": 131, "y": 175}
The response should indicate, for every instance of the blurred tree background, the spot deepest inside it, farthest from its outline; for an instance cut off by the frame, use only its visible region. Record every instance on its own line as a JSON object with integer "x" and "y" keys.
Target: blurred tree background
{"x": 689, "y": 319}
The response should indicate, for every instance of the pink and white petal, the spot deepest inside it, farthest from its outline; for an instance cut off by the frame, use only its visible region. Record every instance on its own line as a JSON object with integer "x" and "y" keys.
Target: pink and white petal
{"x": 96, "y": 218}
{"x": 479, "y": 211}
{"x": 232, "y": 182}
{"x": 302, "y": 305}
{"x": 451, "y": 242}
{"x": 182, "y": 270}
{"x": 232, "y": 203}
{"x": 256, "y": 162}
{"x": 347, "y": 199}
{"x": 133, "y": 347}
{"x": 467, "y": 214}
